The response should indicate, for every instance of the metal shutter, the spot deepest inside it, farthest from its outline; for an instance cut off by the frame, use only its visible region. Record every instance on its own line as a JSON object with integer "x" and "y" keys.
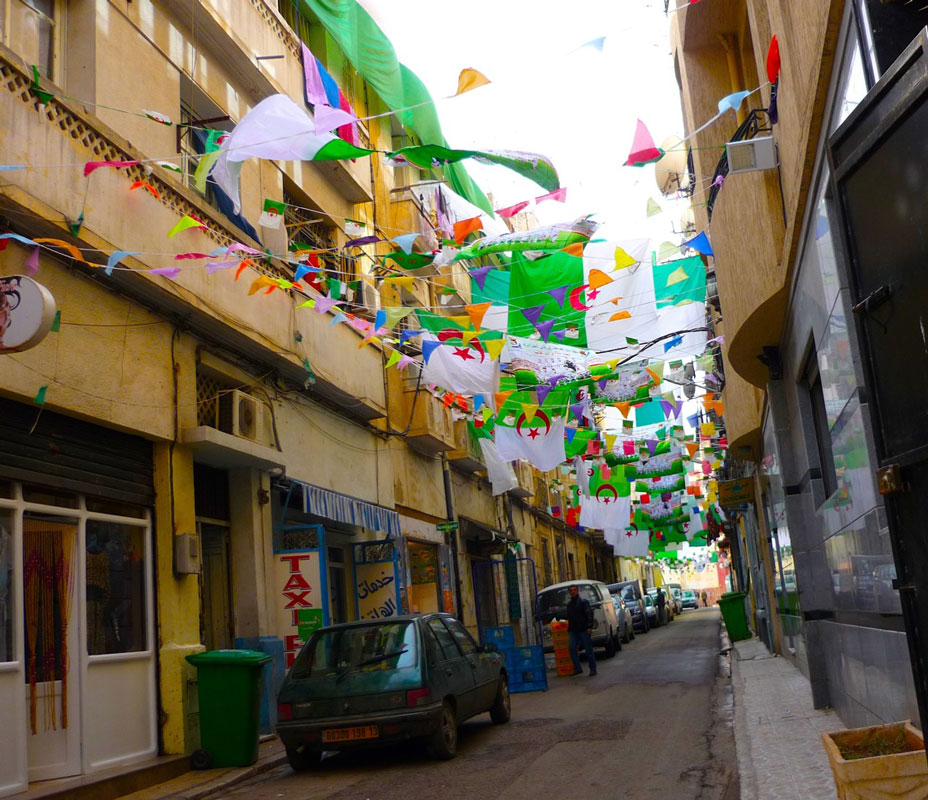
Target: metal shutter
{"x": 66, "y": 453}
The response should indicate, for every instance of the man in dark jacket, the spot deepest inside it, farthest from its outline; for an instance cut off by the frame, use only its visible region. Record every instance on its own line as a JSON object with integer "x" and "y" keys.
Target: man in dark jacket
{"x": 661, "y": 602}
{"x": 580, "y": 626}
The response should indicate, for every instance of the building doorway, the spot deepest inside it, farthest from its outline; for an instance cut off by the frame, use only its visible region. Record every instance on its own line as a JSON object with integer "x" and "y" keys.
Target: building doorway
{"x": 216, "y": 618}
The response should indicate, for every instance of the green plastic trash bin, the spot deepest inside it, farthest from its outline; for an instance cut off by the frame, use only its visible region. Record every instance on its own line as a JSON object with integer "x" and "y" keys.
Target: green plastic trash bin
{"x": 736, "y": 621}
{"x": 228, "y": 689}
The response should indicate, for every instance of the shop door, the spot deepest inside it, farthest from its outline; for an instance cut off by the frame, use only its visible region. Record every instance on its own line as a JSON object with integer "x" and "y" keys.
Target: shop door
{"x": 215, "y": 595}
{"x": 50, "y": 617}
{"x": 880, "y": 165}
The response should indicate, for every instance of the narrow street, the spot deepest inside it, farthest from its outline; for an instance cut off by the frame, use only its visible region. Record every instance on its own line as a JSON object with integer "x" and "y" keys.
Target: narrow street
{"x": 654, "y": 723}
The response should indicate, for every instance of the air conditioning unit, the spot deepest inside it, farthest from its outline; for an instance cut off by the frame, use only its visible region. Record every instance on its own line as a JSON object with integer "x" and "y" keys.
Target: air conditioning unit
{"x": 241, "y": 415}
{"x": 752, "y": 154}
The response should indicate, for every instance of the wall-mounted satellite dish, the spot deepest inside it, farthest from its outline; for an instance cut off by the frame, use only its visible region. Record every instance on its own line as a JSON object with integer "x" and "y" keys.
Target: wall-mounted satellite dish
{"x": 670, "y": 172}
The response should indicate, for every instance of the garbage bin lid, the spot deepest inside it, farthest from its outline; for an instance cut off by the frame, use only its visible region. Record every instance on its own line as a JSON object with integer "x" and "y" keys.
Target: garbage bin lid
{"x": 231, "y": 657}
{"x": 733, "y": 595}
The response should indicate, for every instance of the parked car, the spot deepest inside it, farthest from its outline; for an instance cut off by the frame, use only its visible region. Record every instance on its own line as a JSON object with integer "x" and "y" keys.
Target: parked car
{"x": 654, "y": 621}
{"x": 551, "y": 603}
{"x": 674, "y": 590}
{"x": 631, "y": 593}
{"x": 688, "y": 599}
{"x": 668, "y": 603}
{"x": 375, "y": 682}
{"x": 626, "y": 625}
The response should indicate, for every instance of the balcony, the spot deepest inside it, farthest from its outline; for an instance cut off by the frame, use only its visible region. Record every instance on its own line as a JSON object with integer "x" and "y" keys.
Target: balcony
{"x": 466, "y": 456}
{"x": 431, "y": 429}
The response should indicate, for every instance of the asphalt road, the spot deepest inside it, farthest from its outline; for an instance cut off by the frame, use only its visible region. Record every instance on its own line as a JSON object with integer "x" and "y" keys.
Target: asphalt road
{"x": 655, "y": 724}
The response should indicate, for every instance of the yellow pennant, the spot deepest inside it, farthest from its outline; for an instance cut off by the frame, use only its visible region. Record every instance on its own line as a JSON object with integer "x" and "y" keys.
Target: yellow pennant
{"x": 494, "y": 347}
{"x": 470, "y": 79}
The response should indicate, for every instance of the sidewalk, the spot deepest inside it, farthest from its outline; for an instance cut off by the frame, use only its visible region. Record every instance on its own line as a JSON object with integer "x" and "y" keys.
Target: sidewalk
{"x": 777, "y": 731}
{"x": 199, "y": 784}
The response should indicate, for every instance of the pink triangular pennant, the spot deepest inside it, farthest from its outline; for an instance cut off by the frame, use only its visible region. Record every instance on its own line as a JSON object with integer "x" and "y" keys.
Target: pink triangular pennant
{"x": 643, "y": 149}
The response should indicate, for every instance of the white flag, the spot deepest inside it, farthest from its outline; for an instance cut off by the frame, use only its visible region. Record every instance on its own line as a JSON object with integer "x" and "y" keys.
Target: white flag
{"x": 502, "y": 475}
{"x": 631, "y": 543}
{"x": 541, "y": 441}
{"x": 463, "y": 369}
{"x": 605, "y": 511}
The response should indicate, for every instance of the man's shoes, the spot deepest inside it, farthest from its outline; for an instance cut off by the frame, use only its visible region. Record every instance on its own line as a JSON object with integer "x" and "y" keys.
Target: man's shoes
{"x": 577, "y": 672}
{"x": 592, "y": 672}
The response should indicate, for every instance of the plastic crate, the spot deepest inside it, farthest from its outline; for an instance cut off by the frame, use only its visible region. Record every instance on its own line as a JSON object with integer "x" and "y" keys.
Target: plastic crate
{"x": 502, "y": 637}
{"x": 526, "y": 668}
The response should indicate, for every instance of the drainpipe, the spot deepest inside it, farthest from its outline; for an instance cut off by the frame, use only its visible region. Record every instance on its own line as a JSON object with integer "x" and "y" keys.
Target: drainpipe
{"x": 451, "y": 537}
{"x": 730, "y": 46}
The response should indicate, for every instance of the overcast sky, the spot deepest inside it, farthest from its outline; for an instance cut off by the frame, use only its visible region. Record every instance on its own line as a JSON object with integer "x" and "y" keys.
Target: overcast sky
{"x": 578, "y": 107}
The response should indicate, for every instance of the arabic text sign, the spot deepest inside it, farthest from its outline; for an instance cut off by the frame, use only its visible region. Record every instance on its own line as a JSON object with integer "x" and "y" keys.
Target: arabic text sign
{"x": 375, "y": 585}
{"x": 298, "y": 584}
{"x": 734, "y": 493}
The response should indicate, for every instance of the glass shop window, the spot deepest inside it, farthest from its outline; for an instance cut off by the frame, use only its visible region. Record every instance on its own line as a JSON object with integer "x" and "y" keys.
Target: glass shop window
{"x": 115, "y": 588}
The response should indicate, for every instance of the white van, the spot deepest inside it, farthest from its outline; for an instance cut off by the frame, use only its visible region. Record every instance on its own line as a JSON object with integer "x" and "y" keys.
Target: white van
{"x": 551, "y": 603}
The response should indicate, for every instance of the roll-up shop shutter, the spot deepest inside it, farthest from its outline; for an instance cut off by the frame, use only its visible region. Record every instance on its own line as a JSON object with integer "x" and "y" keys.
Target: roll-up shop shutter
{"x": 66, "y": 453}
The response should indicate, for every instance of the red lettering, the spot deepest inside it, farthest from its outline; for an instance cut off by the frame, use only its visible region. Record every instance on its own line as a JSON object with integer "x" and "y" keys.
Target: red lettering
{"x": 296, "y": 617}
{"x": 294, "y": 561}
{"x": 291, "y": 657}
{"x": 296, "y": 581}
{"x": 292, "y": 642}
{"x": 297, "y": 599}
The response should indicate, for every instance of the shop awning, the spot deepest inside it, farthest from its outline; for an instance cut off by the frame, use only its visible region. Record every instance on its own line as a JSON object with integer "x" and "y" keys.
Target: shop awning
{"x": 350, "y": 510}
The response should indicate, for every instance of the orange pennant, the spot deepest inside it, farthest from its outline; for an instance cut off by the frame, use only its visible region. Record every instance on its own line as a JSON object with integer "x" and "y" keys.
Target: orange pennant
{"x": 76, "y": 254}
{"x": 575, "y": 249}
{"x": 692, "y": 448}
{"x": 598, "y": 279}
{"x": 260, "y": 282}
{"x": 620, "y": 315}
{"x": 624, "y": 408}
{"x": 476, "y": 313}
{"x": 465, "y": 227}
{"x": 500, "y": 398}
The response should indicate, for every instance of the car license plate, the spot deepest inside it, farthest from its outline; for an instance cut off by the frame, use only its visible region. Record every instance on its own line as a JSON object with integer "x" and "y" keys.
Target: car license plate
{"x": 351, "y": 734}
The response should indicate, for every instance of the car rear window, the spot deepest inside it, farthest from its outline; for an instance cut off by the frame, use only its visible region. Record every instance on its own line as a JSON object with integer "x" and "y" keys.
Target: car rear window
{"x": 628, "y": 593}
{"x": 378, "y": 646}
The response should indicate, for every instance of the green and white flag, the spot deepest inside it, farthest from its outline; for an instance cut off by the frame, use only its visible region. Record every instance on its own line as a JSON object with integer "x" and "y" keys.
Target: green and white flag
{"x": 536, "y": 433}
{"x": 272, "y": 214}
{"x": 276, "y": 129}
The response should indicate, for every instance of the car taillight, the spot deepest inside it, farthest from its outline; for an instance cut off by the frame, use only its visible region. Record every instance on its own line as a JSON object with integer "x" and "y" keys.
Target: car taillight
{"x": 284, "y": 711}
{"x": 417, "y": 697}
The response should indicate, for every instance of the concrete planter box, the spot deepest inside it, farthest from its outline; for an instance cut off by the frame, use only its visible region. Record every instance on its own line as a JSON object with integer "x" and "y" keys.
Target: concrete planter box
{"x": 896, "y": 776}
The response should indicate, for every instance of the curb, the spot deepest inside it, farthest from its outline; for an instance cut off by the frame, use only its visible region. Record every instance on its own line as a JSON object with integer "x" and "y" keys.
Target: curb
{"x": 226, "y": 782}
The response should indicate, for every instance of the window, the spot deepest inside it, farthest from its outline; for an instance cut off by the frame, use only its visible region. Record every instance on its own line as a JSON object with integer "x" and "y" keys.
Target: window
{"x": 588, "y": 560}
{"x": 6, "y": 586}
{"x": 369, "y": 648}
{"x": 820, "y": 423}
{"x": 571, "y": 568}
{"x": 30, "y": 30}
{"x": 461, "y": 636}
{"x": 445, "y": 639}
{"x": 115, "y": 588}
{"x": 546, "y": 562}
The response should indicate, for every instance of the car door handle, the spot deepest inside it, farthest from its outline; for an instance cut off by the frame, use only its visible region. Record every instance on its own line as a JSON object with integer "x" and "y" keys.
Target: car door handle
{"x": 449, "y": 672}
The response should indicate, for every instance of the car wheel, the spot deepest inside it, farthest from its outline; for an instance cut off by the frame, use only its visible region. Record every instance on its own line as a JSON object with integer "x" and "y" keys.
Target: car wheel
{"x": 610, "y": 646}
{"x": 618, "y": 642}
{"x": 201, "y": 759}
{"x": 631, "y": 633}
{"x": 501, "y": 709}
{"x": 443, "y": 744}
{"x": 627, "y": 637}
{"x": 302, "y": 760}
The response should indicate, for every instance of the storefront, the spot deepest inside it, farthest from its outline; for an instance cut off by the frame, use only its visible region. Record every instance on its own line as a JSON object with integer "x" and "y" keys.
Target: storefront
{"x": 76, "y": 611}
{"x": 430, "y": 574}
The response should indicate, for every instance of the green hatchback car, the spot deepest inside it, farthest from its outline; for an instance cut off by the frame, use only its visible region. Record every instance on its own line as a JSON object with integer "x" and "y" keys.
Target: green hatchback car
{"x": 373, "y": 682}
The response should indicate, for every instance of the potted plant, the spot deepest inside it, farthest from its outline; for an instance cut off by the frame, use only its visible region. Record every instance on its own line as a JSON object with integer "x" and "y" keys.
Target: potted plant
{"x": 881, "y": 761}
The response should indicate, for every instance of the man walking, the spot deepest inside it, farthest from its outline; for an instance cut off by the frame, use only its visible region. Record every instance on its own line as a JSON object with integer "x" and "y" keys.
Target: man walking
{"x": 661, "y": 602}
{"x": 580, "y": 626}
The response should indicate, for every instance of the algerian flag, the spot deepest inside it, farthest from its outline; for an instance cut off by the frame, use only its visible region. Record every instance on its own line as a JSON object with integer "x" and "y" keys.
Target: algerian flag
{"x": 609, "y": 502}
{"x": 461, "y": 368}
{"x": 501, "y": 474}
{"x": 539, "y": 441}
{"x": 631, "y": 543}
{"x": 353, "y": 228}
{"x": 272, "y": 214}
{"x": 276, "y": 129}
{"x": 530, "y": 286}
